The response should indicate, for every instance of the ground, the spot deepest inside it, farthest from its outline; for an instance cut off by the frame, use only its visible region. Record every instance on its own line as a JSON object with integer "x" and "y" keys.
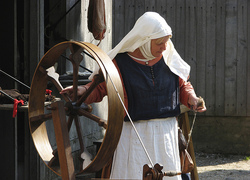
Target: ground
{"x": 222, "y": 167}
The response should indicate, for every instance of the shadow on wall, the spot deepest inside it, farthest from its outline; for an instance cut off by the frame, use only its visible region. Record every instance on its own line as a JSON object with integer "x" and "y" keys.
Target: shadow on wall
{"x": 221, "y": 135}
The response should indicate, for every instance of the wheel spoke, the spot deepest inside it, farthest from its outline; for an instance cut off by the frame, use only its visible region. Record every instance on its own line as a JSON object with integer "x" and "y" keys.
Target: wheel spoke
{"x": 79, "y": 133}
{"x": 54, "y": 78}
{"x": 75, "y": 59}
{"x": 75, "y": 49}
{"x": 75, "y": 82}
{"x": 101, "y": 122}
{"x": 97, "y": 80}
{"x": 38, "y": 120}
{"x": 69, "y": 122}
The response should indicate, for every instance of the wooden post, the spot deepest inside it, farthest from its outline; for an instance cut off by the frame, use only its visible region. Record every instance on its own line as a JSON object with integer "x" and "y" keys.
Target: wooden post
{"x": 186, "y": 129}
{"x": 62, "y": 141}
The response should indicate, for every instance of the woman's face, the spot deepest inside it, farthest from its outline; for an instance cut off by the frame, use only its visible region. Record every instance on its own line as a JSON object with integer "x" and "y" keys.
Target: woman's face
{"x": 159, "y": 45}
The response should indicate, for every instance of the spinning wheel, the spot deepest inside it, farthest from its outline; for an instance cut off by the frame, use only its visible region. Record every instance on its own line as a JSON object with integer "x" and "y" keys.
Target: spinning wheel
{"x": 69, "y": 109}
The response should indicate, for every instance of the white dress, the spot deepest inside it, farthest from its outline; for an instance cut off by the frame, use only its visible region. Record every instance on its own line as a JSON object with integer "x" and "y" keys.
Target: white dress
{"x": 160, "y": 137}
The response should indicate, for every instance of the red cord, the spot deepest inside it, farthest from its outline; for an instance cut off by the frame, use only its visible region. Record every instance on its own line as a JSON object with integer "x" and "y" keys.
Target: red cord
{"x": 48, "y": 91}
{"x": 16, "y": 102}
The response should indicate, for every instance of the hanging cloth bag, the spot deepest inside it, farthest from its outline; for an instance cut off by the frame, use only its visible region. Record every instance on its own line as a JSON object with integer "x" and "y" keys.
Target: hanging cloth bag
{"x": 96, "y": 18}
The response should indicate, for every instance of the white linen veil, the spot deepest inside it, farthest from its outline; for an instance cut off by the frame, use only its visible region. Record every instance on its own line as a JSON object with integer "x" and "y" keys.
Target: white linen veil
{"x": 152, "y": 26}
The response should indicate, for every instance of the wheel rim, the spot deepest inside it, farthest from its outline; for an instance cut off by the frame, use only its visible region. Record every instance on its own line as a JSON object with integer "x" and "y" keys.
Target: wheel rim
{"x": 115, "y": 109}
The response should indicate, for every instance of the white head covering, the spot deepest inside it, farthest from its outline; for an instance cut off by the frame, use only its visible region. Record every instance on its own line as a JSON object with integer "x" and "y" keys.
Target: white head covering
{"x": 146, "y": 51}
{"x": 152, "y": 26}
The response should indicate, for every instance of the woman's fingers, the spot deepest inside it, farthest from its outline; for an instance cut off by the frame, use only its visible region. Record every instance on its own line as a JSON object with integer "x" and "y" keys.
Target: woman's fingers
{"x": 198, "y": 104}
{"x": 67, "y": 90}
{"x": 201, "y": 109}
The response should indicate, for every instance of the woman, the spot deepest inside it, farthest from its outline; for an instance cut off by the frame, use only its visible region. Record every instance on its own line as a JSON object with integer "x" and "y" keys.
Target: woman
{"x": 154, "y": 78}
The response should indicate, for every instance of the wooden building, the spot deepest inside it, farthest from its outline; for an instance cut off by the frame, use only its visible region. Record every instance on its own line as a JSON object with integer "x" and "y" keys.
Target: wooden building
{"x": 213, "y": 36}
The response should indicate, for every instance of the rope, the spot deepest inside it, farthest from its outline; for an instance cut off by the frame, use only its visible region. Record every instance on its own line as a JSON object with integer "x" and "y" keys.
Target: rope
{"x": 191, "y": 130}
{"x": 130, "y": 119}
{"x": 189, "y": 138}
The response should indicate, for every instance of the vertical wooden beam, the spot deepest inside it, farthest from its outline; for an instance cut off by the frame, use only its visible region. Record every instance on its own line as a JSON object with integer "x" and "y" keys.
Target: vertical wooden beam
{"x": 62, "y": 141}
{"x": 231, "y": 58}
{"x": 118, "y": 24}
{"x": 200, "y": 48}
{"x": 180, "y": 27}
{"x": 129, "y": 13}
{"x": 168, "y": 11}
{"x": 210, "y": 56}
{"x": 186, "y": 130}
{"x": 248, "y": 58}
{"x": 33, "y": 36}
{"x": 241, "y": 74}
{"x": 33, "y": 51}
{"x": 190, "y": 40}
{"x": 220, "y": 58}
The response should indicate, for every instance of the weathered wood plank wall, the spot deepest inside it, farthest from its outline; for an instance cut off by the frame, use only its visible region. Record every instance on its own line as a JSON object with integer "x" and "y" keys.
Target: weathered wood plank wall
{"x": 213, "y": 36}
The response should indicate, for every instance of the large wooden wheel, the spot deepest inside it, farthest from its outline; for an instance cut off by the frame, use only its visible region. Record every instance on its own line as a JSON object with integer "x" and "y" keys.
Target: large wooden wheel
{"x": 64, "y": 112}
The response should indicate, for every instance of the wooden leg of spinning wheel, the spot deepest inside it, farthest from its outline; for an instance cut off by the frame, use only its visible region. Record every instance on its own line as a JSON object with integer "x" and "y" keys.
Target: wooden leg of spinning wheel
{"x": 62, "y": 141}
{"x": 186, "y": 130}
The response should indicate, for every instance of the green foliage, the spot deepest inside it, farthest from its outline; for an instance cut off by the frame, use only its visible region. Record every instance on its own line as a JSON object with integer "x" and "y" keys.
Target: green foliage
{"x": 247, "y": 158}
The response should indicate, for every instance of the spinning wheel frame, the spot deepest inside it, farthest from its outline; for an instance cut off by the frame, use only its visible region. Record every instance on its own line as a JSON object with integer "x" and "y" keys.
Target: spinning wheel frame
{"x": 36, "y": 103}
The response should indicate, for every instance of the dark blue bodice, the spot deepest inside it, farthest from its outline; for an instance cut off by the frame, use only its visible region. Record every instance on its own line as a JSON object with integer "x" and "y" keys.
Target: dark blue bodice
{"x": 153, "y": 91}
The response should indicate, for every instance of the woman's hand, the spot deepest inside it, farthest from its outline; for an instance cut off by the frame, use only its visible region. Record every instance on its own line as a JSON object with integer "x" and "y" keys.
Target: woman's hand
{"x": 69, "y": 91}
{"x": 197, "y": 103}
